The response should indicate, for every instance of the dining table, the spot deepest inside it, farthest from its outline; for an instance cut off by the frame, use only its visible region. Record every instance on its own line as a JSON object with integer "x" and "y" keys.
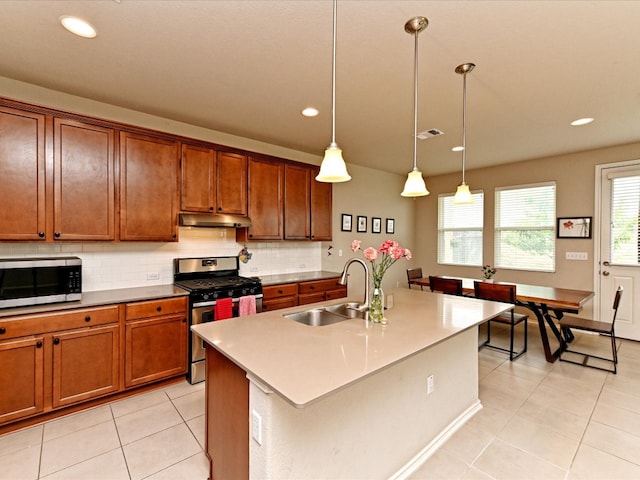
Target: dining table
{"x": 545, "y": 302}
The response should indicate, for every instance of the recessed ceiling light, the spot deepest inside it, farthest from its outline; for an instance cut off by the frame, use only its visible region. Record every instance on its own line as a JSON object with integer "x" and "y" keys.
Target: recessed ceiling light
{"x": 78, "y": 26}
{"x": 310, "y": 112}
{"x": 582, "y": 121}
{"x": 459, "y": 148}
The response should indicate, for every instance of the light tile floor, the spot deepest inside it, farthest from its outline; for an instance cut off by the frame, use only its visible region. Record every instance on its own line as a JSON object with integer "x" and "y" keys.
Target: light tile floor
{"x": 539, "y": 421}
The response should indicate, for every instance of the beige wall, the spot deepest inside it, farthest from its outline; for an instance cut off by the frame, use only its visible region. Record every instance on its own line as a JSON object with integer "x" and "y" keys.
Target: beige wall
{"x": 574, "y": 175}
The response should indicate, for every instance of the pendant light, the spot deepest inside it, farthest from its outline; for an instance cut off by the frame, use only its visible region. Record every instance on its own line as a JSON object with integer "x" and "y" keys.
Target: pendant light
{"x": 463, "y": 195}
{"x": 333, "y": 168}
{"x": 414, "y": 186}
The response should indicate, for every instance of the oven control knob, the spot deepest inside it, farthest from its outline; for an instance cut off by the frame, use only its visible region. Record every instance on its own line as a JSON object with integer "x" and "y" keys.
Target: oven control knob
{"x": 205, "y": 296}
{"x": 230, "y": 293}
{"x": 215, "y": 295}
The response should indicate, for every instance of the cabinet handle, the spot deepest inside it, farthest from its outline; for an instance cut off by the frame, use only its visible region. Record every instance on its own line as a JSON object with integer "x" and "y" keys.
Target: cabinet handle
{"x": 56, "y": 234}
{"x": 211, "y": 208}
{"x": 158, "y": 309}
{"x": 41, "y": 234}
{"x": 56, "y": 341}
{"x": 87, "y": 318}
{"x": 3, "y": 331}
{"x": 219, "y": 208}
{"x": 311, "y": 287}
{"x": 280, "y": 291}
{"x": 184, "y": 320}
{"x": 39, "y": 345}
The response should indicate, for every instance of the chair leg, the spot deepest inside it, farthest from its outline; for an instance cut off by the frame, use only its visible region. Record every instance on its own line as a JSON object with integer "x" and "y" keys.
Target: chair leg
{"x": 513, "y": 327}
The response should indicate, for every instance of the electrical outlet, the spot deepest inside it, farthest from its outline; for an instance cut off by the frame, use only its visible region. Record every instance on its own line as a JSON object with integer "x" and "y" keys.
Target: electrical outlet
{"x": 256, "y": 427}
{"x": 429, "y": 384}
{"x": 153, "y": 276}
{"x": 340, "y": 252}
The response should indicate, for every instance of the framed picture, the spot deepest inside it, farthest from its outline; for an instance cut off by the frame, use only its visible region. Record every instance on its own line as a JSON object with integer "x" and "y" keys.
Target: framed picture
{"x": 376, "y": 225}
{"x": 574, "y": 227}
{"x": 346, "y": 222}
{"x": 391, "y": 225}
{"x": 362, "y": 223}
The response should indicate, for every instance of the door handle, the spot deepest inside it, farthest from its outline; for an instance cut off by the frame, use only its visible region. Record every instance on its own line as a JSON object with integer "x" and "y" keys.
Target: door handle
{"x": 606, "y": 264}
{"x": 605, "y": 273}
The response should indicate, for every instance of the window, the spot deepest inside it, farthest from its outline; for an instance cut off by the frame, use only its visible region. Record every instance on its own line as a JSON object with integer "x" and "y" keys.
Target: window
{"x": 525, "y": 227}
{"x": 625, "y": 209}
{"x": 460, "y": 230}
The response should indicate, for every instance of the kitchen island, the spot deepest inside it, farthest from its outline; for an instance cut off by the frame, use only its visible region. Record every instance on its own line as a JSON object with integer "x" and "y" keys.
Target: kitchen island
{"x": 347, "y": 400}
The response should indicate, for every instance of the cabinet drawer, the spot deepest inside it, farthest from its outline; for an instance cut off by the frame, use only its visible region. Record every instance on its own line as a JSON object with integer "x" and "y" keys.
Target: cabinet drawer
{"x": 154, "y": 308}
{"x": 278, "y": 303}
{"x": 52, "y": 322}
{"x": 337, "y": 293}
{"x": 318, "y": 286}
{"x": 282, "y": 290}
{"x": 311, "y": 298}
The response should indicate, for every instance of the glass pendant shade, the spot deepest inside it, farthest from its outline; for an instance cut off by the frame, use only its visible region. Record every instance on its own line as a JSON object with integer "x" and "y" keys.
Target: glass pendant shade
{"x": 463, "y": 195}
{"x": 414, "y": 186}
{"x": 333, "y": 168}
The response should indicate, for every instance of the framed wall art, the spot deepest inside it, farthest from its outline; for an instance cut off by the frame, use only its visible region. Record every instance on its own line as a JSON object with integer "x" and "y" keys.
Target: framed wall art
{"x": 574, "y": 227}
{"x": 376, "y": 225}
{"x": 362, "y": 223}
{"x": 346, "y": 222}
{"x": 391, "y": 225}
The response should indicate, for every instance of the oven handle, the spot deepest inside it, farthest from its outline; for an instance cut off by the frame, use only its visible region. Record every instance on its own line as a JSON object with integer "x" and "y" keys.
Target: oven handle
{"x": 213, "y": 302}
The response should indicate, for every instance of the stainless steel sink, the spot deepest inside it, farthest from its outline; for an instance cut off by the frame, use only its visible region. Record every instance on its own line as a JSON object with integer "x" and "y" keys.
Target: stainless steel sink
{"x": 318, "y": 317}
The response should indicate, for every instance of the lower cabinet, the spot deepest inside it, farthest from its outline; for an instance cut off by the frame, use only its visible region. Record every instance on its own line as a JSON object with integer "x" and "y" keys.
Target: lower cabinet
{"x": 155, "y": 340}
{"x": 286, "y": 295}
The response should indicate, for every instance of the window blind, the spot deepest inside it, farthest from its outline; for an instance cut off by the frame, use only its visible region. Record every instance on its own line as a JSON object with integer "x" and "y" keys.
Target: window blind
{"x": 625, "y": 209}
{"x": 460, "y": 229}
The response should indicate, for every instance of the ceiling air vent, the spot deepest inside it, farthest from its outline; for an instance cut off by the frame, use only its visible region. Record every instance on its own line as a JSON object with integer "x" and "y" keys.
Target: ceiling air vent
{"x": 434, "y": 132}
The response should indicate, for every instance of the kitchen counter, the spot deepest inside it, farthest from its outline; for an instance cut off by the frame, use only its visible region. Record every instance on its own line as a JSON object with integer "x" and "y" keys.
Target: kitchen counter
{"x": 101, "y": 297}
{"x": 297, "y": 277}
{"x": 347, "y": 400}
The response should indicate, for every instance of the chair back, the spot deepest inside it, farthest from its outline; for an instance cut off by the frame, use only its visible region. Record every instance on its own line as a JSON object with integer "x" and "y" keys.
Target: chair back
{"x": 498, "y": 292}
{"x": 445, "y": 285}
{"x": 414, "y": 273}
{"x": 616, "y": 304}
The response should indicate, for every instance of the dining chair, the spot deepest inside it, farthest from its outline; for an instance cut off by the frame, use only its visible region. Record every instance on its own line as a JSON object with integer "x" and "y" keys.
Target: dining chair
{"x": 502, "y": 292}
{"x": 414, "y": 274}
{"x": 451, "y": 286}
{"x": 603, "y": 328}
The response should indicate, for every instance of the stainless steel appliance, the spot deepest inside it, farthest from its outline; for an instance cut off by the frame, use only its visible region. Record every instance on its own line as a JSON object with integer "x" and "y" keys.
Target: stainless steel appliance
{"x": 37, "y": 281}
{"x": 208, "y": 280}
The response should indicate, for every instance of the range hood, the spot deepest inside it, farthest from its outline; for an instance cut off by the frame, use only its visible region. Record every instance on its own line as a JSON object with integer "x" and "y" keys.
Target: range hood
{"x": 213, "y": 220}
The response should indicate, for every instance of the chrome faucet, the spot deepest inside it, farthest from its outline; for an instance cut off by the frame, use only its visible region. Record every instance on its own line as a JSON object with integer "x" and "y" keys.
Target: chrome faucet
{"x": 343, "y": 280}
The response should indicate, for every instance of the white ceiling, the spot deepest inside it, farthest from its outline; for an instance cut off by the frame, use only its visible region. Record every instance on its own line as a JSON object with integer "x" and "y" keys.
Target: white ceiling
{"x": 248, "y": 67}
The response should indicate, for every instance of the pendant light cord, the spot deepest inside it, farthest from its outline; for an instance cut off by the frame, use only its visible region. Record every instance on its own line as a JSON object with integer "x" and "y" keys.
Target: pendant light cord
{"x": 333, "y": 78}
{"x": 415, "y": 103}
{"x": 464, "y": 122}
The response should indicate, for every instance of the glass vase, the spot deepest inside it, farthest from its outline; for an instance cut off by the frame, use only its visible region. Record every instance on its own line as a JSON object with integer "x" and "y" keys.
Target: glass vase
{"x": 376, "y": 306}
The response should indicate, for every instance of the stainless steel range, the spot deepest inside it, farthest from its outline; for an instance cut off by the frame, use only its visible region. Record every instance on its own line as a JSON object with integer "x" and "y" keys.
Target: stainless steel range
{"x": 208, "y": 280}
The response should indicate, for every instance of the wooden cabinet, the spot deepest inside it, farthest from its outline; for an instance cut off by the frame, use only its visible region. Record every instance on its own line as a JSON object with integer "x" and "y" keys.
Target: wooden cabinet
{"x": 265, "y": 199}
{"x": 287, "y": 295}
{"x": 320, "y": 291}
{"x": 57, "y": 359}
{"x": 21, "y": 378}
{"x": 275, "y": 297}
{"x": 155, "y": 340}
{"x": 297, "y": 202}
{"x": 84, "y": 182}
{"x": 148, "y": 188}
{"x": 321, "y": 208}
{"x": 198, "y": 177}
{"x": 22, "y": 175}
{"x": 307, "y": 204}
{"x": 231, "y": 183}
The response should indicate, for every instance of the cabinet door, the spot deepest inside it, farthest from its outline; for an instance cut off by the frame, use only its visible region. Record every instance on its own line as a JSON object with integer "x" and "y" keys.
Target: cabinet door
{"x": 155, "y": 348}
{"x": 148, "y": 188}
{"x": 231, "y": 183}
{"x": 198, "y": 174}
{"x": 22, "y": 175}
{"x": 265, "y": 199}
{"x": 21, "y": 378}
{"x": 321, "y": 208}
{"x": 86, "y": 364}
{"x": 84, "y": 184}
{"x": 297, "y": 197}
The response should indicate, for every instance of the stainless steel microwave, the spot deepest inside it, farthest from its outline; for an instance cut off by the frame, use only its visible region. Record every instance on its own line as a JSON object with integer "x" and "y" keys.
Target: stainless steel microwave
{"x": 37, "y": 281}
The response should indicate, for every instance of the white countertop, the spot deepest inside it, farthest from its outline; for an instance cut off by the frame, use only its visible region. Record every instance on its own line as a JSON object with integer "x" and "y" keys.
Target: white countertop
{"x": 304, "y": 364}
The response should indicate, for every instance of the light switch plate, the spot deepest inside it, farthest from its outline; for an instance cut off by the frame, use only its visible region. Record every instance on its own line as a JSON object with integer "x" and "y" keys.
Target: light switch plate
{"x": 576, "y": 256}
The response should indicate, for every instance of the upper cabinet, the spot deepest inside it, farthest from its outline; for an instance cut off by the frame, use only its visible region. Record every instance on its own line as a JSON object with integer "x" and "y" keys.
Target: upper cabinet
{"x": 265, "y": 199}
{"x": 148, "y": 188}
{"x": 307, "y": 204}
{"x": 213, "y": 182}
{"x": 84, "y": 183}
{"x": 22, "y": 175}
{"x": 231, "y": 183}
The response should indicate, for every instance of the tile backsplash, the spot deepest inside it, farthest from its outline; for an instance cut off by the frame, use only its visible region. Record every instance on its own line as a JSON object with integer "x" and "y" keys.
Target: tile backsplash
{"x": 109, "y": 265}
